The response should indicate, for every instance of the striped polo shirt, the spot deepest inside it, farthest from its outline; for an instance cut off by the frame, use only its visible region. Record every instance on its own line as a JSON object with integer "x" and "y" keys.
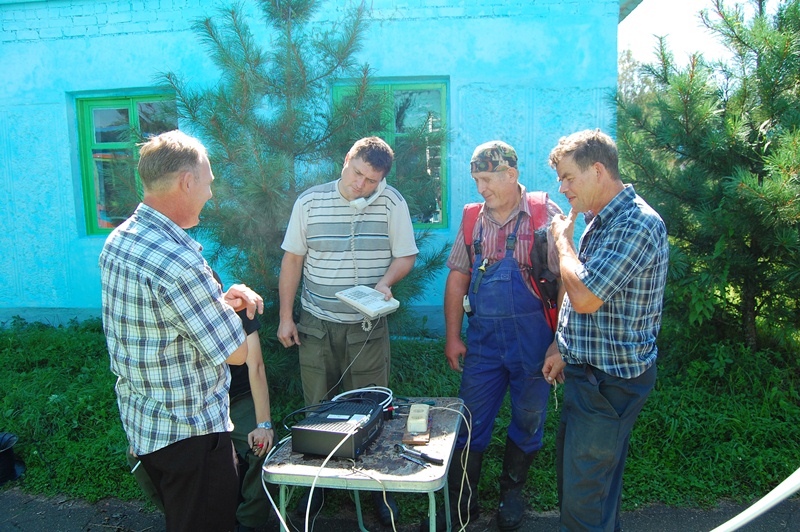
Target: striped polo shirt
{"x": 344, "y": 247}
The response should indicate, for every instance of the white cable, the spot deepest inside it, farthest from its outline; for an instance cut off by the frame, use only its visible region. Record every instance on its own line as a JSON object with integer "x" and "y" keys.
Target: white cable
{"x": 782, "y": 491}
{"x": 379, "y": 389}
{"x": 349, "y": 365}
{"x": 270, "y": 454}
{"x": 353, "y": 246}
{"x": 463, "y": 462}
{"x": 366, "y": 323}
{"x": 383, "y": 490}
{"x": 325, "y": 462}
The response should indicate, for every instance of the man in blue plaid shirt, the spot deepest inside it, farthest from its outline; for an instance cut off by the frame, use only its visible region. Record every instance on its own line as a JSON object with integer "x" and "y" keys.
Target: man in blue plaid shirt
{"x": 171, "y": 332}
{"x": 607, "y": 328}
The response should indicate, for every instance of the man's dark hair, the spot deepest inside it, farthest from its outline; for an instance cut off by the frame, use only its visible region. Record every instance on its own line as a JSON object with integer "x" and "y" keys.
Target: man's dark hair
{"x": 375, "y": 152}
{"x": 588, "y": 147}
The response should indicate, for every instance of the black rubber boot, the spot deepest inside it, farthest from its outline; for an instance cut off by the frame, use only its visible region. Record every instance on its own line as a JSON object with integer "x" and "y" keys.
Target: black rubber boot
{"x": 383, "y": 511}
{"x": 470, "y": 510}
{"x": 512, "y": 479}
{"x": 317, "y": 500}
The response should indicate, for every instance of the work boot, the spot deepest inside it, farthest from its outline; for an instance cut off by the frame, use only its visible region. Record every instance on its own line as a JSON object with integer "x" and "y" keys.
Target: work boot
{"x": 470, "y": 510}
{"x": 512, "y": 479}
{"x": 383, "y": 511}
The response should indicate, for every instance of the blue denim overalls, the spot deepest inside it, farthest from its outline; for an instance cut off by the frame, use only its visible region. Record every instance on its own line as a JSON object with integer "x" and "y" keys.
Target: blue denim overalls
{"x": 507, "y": 338}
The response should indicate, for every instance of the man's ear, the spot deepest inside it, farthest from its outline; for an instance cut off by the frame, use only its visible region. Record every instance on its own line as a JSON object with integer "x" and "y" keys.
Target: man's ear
{"x": 513, "y": 173}
{"x": 186, "y": 180}
{"x": 600, "y": 168}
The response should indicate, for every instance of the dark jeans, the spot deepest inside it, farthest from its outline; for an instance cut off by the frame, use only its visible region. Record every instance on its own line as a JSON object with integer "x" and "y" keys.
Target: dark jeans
{"x": 592, "y": 444}
{"x": 197, "y": 481}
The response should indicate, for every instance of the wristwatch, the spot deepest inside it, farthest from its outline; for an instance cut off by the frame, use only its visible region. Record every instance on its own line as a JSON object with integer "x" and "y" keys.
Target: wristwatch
{"x": 265, "y": 425}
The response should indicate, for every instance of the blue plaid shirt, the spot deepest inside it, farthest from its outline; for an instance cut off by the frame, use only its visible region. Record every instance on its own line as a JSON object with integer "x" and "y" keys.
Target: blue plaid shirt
{"x": 624, "y": 254}
{"x": 168, "y": 333}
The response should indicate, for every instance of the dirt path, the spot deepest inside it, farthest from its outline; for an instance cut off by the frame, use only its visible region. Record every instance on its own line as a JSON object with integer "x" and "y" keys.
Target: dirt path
{"x": 21, "y": 512}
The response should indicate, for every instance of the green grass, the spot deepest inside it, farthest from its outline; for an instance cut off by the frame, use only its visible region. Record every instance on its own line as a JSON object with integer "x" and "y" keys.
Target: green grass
{"x": 720, "y": 425}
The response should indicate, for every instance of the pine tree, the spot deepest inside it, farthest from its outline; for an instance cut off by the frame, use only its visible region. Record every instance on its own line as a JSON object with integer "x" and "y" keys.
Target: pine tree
{"x": 271, "y": 132}
{"x": 631, "y": 84}
{"x": 717, "y": 152}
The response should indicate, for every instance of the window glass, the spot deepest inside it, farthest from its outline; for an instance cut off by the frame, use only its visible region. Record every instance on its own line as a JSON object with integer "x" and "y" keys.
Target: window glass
{"x": 413, "y": 108}
{"x": 111, "y": 125}
{"x": 116, "y": 191}
{"x": 109, "y": 129}
{"x": 414, "y": 125}
{"x": 157, "y": 117}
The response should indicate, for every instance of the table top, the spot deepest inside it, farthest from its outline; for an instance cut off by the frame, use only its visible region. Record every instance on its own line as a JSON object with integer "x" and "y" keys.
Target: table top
{"x": 380, "y": 464}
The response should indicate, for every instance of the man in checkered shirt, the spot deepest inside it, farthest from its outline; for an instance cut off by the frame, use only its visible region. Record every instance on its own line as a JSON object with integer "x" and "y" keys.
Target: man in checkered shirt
{"x": 171, "y": 332}
{"x": 608, "y": 324}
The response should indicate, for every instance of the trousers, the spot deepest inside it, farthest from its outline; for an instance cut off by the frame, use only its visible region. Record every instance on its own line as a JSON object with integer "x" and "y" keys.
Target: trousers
{"x": 507, "y": 337}
{"x": 592, "y": 444}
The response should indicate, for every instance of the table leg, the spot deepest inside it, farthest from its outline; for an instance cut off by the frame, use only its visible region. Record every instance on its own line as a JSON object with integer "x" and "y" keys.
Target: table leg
{"x": 358, "y": 511}
{"x": 431, "y": 511}
{"x": 446, "y": 508}
{"x": 282, "y": 504}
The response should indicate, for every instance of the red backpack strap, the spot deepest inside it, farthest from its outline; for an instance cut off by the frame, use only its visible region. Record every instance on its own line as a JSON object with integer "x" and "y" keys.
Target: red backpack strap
{"x": 537, "y": 205}
{"x": 468, "y": 220}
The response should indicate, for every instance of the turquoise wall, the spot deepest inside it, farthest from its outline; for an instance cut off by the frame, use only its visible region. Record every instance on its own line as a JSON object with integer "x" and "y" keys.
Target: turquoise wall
{"x": 525, "y": 71}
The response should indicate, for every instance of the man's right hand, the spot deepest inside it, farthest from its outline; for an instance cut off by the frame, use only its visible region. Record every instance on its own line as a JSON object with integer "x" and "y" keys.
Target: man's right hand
{"x": 287, "y": 333}
{"x": 455, "y": 351}
{"x": 564, "y": 226}
{"x": 553, "y": 368}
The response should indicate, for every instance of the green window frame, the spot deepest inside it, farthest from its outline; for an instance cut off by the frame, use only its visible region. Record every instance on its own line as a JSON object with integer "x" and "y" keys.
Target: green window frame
{"x": 108, "y": 131}
{"x": 414, "y": 124}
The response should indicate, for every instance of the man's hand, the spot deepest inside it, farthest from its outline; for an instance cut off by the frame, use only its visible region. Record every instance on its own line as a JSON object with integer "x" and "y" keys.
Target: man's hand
{"x": 455, "y": 351}
{"x": 564, "y": 226}
{"x": 384, "y": 289}
{"x": 260, "y": 441}
{"x": 240, "y": 296}
{"x": 287, "y": 333}
{"x": 553, "y": 369}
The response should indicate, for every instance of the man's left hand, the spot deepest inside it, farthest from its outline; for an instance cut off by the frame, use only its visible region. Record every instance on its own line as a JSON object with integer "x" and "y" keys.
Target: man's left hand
{"x": 553, "y": 369}
{"x": 260, "y": 441}
{"x": 385, "y": 290}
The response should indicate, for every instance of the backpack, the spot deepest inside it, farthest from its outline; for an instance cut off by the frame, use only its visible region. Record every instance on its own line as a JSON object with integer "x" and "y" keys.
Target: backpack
{"x": 543, "y": 281}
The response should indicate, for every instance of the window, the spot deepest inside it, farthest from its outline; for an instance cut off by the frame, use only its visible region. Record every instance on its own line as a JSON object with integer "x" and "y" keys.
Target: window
{"x": 414, "y": 125}
{"x": 108, "y": 131}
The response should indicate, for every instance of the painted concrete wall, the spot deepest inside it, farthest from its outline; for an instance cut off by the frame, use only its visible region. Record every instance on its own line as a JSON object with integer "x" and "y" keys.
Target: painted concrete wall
{"x": 525, "y": 71}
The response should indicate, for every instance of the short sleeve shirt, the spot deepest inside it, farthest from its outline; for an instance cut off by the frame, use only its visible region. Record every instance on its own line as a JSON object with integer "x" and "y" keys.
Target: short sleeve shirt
{"x": 344, "y": 246}
{"x": 493, "y": 235}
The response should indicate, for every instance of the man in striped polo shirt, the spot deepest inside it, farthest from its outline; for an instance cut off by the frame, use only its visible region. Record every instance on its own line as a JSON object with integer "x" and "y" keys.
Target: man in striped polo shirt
{"x": 352, "y": 231}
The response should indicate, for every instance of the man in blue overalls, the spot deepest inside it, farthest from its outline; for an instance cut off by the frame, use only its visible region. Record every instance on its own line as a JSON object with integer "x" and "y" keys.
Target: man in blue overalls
{"x": 507, "y": 335}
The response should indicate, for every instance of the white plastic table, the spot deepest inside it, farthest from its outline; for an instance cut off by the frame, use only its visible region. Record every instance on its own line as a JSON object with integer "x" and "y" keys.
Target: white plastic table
{"x": 380, "y": 465}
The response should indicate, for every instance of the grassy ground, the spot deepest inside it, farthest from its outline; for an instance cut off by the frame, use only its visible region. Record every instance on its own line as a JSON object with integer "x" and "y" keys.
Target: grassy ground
{"x": 722, "y": 425}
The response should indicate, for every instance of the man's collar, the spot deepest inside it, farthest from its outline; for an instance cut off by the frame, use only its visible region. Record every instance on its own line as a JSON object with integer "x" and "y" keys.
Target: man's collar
{"x": 150, "y": 216}
{"x": 624, "y": 196}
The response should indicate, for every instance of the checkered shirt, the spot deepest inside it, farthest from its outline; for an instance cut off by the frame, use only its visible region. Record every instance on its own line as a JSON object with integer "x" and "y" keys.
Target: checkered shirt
{"x": 168, "y": 333}
{"x": 624, "y": 255}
